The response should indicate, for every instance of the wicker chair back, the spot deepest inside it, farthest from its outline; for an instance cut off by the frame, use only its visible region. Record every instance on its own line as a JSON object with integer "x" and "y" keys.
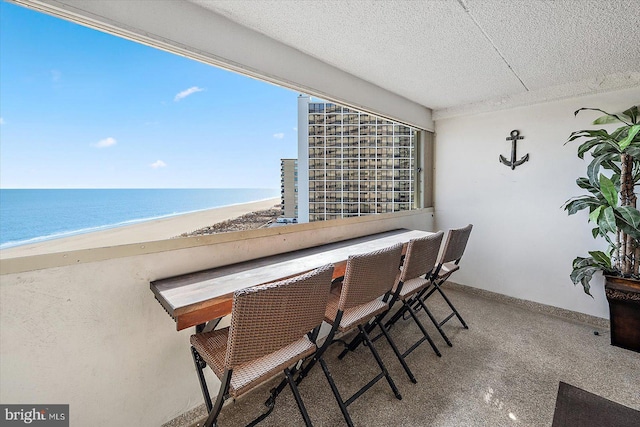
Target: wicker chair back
{"x": 455, "y": 244}
{"x": 269, "y": 317}
{"x": 421, "y": 256}
{"x": 369, "y": 276}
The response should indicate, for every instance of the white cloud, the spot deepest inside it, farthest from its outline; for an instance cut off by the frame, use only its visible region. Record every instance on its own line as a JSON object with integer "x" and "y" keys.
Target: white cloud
{"x": 279, "y": 135}
{"x": 187, "y": 92}
{"x": 158, "y": 164}
{"x": 107, "y": 142}
{"x": 1, "y": 121}
{"x": 295, "y": 129}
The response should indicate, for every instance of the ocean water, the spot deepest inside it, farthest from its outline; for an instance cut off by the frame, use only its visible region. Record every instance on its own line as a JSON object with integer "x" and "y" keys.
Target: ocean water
{"x": 29, "y": 216}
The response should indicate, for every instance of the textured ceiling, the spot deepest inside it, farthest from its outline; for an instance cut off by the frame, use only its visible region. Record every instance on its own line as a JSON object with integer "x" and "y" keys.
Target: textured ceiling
{"x": 450, "y": 54}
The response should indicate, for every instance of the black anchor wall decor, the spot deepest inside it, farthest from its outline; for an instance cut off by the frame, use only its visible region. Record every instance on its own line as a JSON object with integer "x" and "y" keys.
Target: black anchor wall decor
{"x": 515, "y": 135}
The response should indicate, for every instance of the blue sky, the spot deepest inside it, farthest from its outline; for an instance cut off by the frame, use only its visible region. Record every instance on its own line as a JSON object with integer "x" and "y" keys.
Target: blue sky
{"x": 84, "y": 109}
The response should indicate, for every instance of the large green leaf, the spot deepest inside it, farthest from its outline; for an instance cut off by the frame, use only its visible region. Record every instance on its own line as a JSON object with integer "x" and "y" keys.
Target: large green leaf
{"x": 584, "y": 202}
{"x": 620, "y": 132}
{"x": 632, "y": 113}
{"x": 593, "y": 170}
{"x": 588, "y": 145}
{"x": 628, "y": 219}
{"x": 607, "y": 237}
{"x": 585, "y": 268}
{"x": 586, "y": 285}
{"x": 609, "y": 190}
{"x": 611, "y": 149}
{"x": 631, "y": 215}
{"x": 608, "y": 118}
{"x": 585, "y": 184}
{"x": 624, "y": 226}
{"x": 633, "y": 131}
{"x": 580, "y": 262}
{"x": 608, "y": 220}
{"x": 608, "y": 161}
{"x": 583, "y": 274}
{"x": 578, "y": 273}
{"x": 595, "y": 214}
{"x": 601, "y": 259}
{"x": 593, "y": 133}
{"x": 634, "y": 152}
{"x": 615, "y": 178}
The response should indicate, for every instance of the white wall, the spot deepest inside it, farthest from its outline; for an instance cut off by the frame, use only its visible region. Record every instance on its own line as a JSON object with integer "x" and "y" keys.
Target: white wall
{"x": 523, "y": 242}
{"x": 91, "y": 334}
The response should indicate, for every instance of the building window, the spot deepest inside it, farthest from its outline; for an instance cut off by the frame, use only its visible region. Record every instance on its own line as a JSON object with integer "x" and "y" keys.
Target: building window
{"x": 359, "y": 164}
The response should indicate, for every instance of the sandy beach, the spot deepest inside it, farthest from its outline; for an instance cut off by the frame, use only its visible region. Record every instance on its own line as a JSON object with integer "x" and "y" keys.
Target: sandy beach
{"x": 159, "y": 229}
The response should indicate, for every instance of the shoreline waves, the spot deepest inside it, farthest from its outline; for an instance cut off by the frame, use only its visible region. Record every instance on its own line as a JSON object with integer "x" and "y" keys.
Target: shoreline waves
{"x": 166, "y": 227}
{"x": 125, "y": 223}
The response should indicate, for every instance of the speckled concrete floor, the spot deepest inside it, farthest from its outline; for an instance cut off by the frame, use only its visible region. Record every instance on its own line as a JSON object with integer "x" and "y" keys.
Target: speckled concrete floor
{"x": 503, "y": 371}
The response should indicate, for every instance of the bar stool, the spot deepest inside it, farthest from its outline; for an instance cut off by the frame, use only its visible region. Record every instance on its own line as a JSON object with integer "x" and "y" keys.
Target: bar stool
{"x": 415, "y": 276}
{"x": 273, "y": 327}
{"x": 359, "y": 302}
{"x": 454, "y": 247}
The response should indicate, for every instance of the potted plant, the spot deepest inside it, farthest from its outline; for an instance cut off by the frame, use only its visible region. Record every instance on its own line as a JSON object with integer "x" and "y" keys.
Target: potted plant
{"x": 611, "y": 178}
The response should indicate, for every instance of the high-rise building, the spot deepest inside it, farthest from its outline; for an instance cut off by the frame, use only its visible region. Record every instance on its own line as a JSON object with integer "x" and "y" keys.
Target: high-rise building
{"x": 352, "y": 163}
{"x": 289, "y": 187}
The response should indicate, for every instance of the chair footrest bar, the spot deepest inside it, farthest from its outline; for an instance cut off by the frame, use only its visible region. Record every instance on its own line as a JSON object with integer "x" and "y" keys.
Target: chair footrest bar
{"x": 272, "y": 404}
{"x": 413, "y": 347}
{"x": 377, "y": 337}
{"x": 359, "y": 393}
{"x": 336, "y": 393}
{"x": 446, "y": 319}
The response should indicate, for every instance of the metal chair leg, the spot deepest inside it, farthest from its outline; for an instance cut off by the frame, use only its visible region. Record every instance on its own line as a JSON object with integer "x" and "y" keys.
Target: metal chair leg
{"x": 424, "y": 333}
{"x": 400, "y": 356}
{"x": 200, "y": 365}
{"x": 224, "y": 388}
{"x": 435, "y": 322}
{"x": 455, "y": 312}
{"x": 380, "y": 363}
{"x": 396, "y": 316}
{"x": 351, "y": 346}
{"x": 336, "y": 393}
{"x": 363, "y": 338}
{"x": 275, "y": 392}
{"x": 296, "y": 395}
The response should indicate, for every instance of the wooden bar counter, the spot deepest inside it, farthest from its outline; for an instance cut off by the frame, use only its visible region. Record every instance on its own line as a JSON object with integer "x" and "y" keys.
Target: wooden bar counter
{"x": 196, "y": 298}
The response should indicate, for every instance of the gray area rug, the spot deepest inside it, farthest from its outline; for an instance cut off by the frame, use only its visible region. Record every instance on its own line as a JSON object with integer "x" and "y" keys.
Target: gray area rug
{"x": 578, "y": 408}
